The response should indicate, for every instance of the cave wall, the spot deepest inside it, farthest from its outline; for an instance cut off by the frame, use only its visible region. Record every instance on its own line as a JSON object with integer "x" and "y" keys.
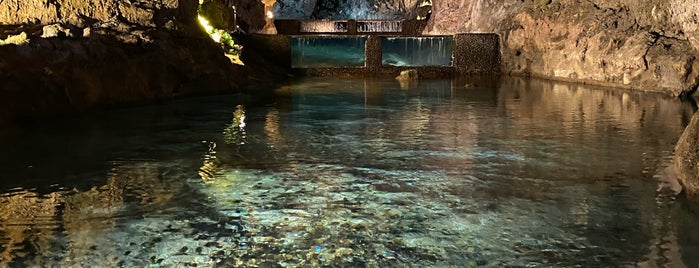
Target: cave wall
{"x": 83, "y": 55}
{"x": 646, "y": 45}
{"x": 686, "y": 160}
{"x": 345, "y": 9}
{"x": 80, "y": 12}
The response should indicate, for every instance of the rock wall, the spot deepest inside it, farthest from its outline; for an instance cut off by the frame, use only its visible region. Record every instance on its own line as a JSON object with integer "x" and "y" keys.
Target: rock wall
{"x": 686, "y": 161}
{"x": 648, "y": 45}
{"x": 352, "y": 9}
{"x": 87, "y": 54}
{"x": 82, "y": 12}
{"x": 251, "y": 14}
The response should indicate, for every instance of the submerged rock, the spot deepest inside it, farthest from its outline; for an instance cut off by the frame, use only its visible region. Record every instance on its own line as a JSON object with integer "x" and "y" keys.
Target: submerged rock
{"x": 408, "y": 78}
{"x": 408, "y": 75}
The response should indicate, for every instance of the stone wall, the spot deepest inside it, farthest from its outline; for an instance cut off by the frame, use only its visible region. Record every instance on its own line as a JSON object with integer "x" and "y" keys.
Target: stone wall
{"x": 646, "y": 45}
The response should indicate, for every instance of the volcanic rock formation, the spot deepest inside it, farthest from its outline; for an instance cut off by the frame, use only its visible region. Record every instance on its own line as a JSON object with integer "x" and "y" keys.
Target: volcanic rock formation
{"x": 646, "y": 45}
{"x": 79, "y": 55}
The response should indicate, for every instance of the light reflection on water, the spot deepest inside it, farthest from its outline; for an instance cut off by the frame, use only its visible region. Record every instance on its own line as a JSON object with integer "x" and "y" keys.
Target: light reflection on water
{"x": 343, "y": 172}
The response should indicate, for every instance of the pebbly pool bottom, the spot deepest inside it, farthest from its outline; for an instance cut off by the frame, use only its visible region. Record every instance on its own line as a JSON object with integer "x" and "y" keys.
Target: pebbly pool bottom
{"x": 355, "y": 173}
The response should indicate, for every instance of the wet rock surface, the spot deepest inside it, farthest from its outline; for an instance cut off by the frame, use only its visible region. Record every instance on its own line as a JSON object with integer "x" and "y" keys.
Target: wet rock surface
{"x": 67, "y": 74}
{"x": 77, "y": 56}
{"x": 686, "y": 159}
{"x": 644, "y": 45}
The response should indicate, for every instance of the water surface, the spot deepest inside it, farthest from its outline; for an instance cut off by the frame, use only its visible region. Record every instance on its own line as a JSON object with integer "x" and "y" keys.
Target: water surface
{"x": 355, "y": 173}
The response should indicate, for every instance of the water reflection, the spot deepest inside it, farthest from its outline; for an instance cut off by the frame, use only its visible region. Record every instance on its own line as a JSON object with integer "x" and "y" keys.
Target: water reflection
{"x": 235, "y": 132}
{"x": 467, "y": 172}
{"x": 272, "y": 127}
{"x": 75, "y": 228}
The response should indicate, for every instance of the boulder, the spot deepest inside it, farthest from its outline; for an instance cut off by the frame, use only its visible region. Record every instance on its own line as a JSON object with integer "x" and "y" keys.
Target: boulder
{"x": 408, "y": 75}
{"x": 54, "y": 30}
{"x": 408, "y": 78}
{"x": 686, "y": 160}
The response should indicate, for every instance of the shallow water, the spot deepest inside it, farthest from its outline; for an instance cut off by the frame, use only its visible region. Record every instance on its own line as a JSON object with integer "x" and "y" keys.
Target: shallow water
{"x": 353, "y": 173}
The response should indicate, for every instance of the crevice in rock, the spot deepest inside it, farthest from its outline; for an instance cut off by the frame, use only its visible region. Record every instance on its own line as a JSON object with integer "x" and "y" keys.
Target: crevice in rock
{"x": 58, "y": 7}
{"x": 688, "y": 67}
{"x": 645, "y": 58}
{"x": 657, "y": 36}
{"x": 686, "y": 95}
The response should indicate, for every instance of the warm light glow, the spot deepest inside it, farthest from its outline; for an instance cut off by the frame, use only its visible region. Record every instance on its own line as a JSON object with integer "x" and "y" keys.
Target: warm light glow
{"x": 19, "y": 39}
{"x": 240, "y": 117}
{"x": 216, "y": 36}
{"x": 272, "y": 130}
{"x": 235, "y": 132}
{"x": 223, "y": 38}
{"x": 270, "y": 14}
{"x": 208, "y": 170}
{"x": 205, "y": 23}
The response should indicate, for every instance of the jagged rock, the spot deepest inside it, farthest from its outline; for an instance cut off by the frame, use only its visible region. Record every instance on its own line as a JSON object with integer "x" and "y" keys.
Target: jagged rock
{"x": 219, "y": 15}
{"x": 408, "y": 75}
{"x": 131, "y": 53}
{"x": 686, "y": 161}
{"x": 18, "y": 39}
{"x": 298, "y": 9}
{"x": 251, "y": 15}
{"x": 137, "y": 15}
{"x": 646, "y": 45}
{"x": 54, "y": 30}
{"x": 145, "y": 13}
{"x": 362, "y": 9}
{"x": 28, "y": 12}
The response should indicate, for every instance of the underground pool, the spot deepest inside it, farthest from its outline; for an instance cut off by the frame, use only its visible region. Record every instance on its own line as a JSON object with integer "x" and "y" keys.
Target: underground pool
{"x": 318, "y": 172}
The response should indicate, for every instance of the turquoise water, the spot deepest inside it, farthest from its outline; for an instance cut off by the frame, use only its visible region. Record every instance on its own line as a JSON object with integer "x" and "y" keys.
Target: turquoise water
{"x": 473, "y": 172}
{"x": 417, "y": 51}
{"x": 319, "y": 52}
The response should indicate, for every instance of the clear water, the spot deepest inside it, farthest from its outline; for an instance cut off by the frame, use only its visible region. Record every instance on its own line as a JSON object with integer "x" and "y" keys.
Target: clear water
{"x": 314, "y": 52}
{"x": 417, "y": 51}
{"x": 354, "y": 173}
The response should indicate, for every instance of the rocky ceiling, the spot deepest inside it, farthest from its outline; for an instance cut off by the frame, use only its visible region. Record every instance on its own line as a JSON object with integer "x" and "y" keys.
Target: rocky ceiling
{"x": 351, "y": 9}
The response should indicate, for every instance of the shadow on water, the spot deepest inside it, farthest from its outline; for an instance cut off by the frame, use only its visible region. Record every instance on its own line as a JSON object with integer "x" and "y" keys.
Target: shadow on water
{"x": 476, "y": 171}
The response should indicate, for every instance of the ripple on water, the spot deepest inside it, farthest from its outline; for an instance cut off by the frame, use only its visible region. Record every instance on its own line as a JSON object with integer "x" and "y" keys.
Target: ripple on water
{"x": 509, "y": 175}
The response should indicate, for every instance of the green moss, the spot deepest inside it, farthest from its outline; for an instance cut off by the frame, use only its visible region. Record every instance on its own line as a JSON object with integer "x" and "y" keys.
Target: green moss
{"x": 221, "y": 36}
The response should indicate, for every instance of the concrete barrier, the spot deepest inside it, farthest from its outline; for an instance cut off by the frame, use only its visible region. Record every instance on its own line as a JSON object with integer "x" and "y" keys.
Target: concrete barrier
{"x": 473, "y": 53}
